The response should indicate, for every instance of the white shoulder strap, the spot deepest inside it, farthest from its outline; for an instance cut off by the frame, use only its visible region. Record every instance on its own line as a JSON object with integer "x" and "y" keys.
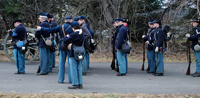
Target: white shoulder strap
{"x": 197, "y": 31}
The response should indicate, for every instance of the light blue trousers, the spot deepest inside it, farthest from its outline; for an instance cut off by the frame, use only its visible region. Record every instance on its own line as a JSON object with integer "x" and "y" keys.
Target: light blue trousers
{"x": 159, "y": 61}
{"x": 84, "y": 63}
{"x": 151, "y": 61}
{"x": 197, "y": 59}
{"x": 43, "y": 60}
{"x": 121, "y": 58}
{"x": 61, "y": 72}
{"x": 49, "y": 60}
{"x": 126, "y": 63}
{"x": 88, "y": 59}
{"x": 20, "y": 61}
{"x": 76, "y": 71}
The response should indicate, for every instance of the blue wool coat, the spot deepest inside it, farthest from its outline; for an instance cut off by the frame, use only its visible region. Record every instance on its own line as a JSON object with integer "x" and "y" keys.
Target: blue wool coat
{"x": 18, "y": 34}
{"x": 150, "y": 38}
{"x": 196, "y": 34}
{"x": 159, "y": 38}
{"x": 38, "y": 33}
{"x": 122, "y": 36}
{"x": 76, "y": 38}
{"x": 59, "y": 29}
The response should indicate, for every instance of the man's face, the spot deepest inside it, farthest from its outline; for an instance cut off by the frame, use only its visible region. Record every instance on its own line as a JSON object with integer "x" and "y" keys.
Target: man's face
{"x": 150, "y": 25}
{"x": 15, "y": 24}
{"x": 114, "y": 24}
{"x": 40, "y": 19}
{"x": 83, "y": 20}
{"x": 79, "y": 21}
{"x": 194, "y": 24}
{"x": 155, "y": 25}
{"x": 49, "y": 19}
{"x": 71, "y": 21}
{"x": 120, "y": 23}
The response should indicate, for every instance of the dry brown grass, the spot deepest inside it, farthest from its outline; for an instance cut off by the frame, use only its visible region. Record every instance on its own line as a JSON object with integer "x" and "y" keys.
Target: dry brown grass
{"x": 96, "y": 95}
{"x": 136, "y": 55}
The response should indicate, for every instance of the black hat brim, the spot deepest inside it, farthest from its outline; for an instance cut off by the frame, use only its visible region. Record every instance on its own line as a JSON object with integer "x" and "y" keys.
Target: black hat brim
{"x": 16, "y": 20}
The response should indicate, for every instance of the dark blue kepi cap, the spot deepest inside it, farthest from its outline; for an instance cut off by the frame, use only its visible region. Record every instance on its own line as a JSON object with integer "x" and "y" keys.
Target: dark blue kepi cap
{"x": 150, "y": 20}
{"x": 16, "y": 20}
{"x": 68, "y": 17}
{"x": 49, "y": 15}
{"x": 119, "y": 19}
{"x": 114, "y": 21}
{"x": 196, "y": 20}
{"x": 82, "y": 17}
{"x": 74, "y": 23}
{"x": 76, "y": 18}
{"x": 43, "y": 14}
{"x": 157, "y": 21}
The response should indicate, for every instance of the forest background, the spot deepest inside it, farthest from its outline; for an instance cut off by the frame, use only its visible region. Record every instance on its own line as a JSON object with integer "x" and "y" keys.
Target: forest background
{"x": 100, "y": 13}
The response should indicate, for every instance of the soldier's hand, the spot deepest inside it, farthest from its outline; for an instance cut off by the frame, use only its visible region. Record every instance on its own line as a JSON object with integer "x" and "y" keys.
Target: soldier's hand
{"x": 38, "y": 27}
{"x": 9, "y": 30}
{"x": 147, "y": 42}
{"x": 67, "y": 35}
{"x": 187, "y": 35}
{"x": 143, "y": 36}
{"x": 168, "y": 34}
{"x": 156, "y": 50}
{"x": 10, "y": 41}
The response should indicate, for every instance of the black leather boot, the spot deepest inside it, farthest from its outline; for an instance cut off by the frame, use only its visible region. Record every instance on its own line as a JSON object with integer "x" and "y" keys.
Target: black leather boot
{"x": 73, "y": 87}
{"x": 80, "y": 86}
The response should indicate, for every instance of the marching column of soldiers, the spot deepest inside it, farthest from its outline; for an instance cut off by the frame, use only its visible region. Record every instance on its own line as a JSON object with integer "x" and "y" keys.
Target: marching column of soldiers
{"x": 76, "y": 33}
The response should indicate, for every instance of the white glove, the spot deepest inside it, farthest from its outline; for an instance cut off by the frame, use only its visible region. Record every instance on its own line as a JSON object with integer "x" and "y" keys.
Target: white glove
{"x": 187, "y": 35}
{"x": 156, "y": 50}
{"x": 143, "y": 36}
{"x": 147, "y": 42}
{"x": 69, "y": 46}
{"x": 38, "y": 27}
{"x": 168, "y": 34}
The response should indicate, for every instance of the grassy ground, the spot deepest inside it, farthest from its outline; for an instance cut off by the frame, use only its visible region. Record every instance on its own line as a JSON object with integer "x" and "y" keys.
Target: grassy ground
{"x": 133, "y": 57}
{"x": 96, "y": 95}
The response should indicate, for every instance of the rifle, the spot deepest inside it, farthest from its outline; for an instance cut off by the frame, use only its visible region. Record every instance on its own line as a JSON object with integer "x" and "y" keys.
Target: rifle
{"x": 113, "y": 51}
{"x": 38, "y": 71}
{"x": 189, "y": 57}
{"x": 154, "y": 59}
{"x": 142, "y": 69}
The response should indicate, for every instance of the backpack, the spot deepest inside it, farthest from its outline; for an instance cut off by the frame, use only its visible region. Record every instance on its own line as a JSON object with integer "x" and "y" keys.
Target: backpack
{"x": 126, "y": 46}
{"x": 79, "y": 51}
{"x": 166, "y": 29}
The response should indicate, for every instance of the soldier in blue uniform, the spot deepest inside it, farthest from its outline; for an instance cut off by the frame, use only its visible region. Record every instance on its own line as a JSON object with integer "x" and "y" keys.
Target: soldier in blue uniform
{"x": 126, "y": 22}
{"x": 114, "y": 34}
{"x": 149, "y": 44}
{"x": 85, "y": 22}
{"x": 44, "y": 64}
{"x": 76, "y": 38}
{"x": 87, "y": 35}
{"x": 18, "y": 35}
{"x": 121, "y": 38}
{"x": 194, "y": 39}
{"x": 160, "y": 47}
{"x": 52, "y": 25}
{"x": 62, "y": 53}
